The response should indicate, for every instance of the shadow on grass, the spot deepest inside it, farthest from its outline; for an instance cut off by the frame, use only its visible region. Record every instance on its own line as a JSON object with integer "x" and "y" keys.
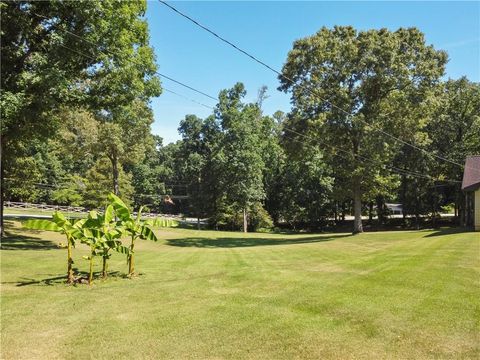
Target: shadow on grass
{"x": 13, "y": 241}
{"x": 449, "y": 231}
{"x": 233, "y": 242}
{"x": 62, "y": 279}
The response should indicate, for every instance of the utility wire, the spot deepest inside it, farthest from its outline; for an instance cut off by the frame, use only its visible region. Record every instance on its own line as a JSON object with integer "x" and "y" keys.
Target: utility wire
{"x": 337, "y": 148}
{"x": 186, "y": 98}
{"x": 390, "y": 167}
{"x": 114, "y": 54}
{"x": 186, "y": 86}
{"x": 198, "y": 91}
{"x": 254, "y": 58}
{"x": 220, "y": 37}
{"x": 164, "y": 88}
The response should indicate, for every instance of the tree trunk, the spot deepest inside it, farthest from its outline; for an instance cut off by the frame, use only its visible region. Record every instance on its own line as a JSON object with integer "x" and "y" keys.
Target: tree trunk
{"x": 2, "y": 230}
{"x": 335, "y": 212}
{"x": 116, "y": 186}
{"x": 403, "y": 200}
{"x": 380, "y": 210}
{"x": 370, "y": 212}
{"x": 199, "y": 203}
{"x": 69, "y": 262}
{"x": 245, "y": 224}
{"x": 104, "y": 266}
{"x": 131, "y": 263}
{"x": 357, "y": 193}
{"x": 90, "y": 274}
{"x": 357, "y": 209}
{"x": 417, "y": 205}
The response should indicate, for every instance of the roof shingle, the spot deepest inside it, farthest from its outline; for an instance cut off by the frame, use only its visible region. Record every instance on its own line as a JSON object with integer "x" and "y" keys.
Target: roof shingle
{"x": 471, "y": 174}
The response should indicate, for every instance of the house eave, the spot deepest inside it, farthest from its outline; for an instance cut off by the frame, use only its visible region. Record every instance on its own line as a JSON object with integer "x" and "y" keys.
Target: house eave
{"x": 473, "y": 187}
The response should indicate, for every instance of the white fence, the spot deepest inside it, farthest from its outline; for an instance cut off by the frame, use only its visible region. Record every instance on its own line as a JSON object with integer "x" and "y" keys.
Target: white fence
{"x": 25, "y": 207}
{"x": 42, "y": 207}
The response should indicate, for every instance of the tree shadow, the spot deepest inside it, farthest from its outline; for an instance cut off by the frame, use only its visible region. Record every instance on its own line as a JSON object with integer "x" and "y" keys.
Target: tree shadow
{"x": 62, "y": 279}
{"x": 13, "y": 241}
{"x": 449, "y": 231}
{"x": 48, "y": 281}
{"x": 234, "y": 242}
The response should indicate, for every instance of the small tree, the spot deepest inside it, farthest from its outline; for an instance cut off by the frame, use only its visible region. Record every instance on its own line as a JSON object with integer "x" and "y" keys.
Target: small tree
{"x": 71, "y": 228}
{"x": 134, "y": 226}
{"x": 102, "y": 234}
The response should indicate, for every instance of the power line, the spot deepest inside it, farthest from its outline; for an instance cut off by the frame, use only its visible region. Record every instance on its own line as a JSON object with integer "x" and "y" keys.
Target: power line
{"x": 254, "y": 58}
{"x": 114, "y": 54}
{"x": 164, "y": 88}
{"x": 220, "y": 37}
{"x": 390, "y": 167}
{"x": 186, "y": 86}
{"x": 186, "y": 98}
{"x": 198, "y": 91}
{"x": 340, "y": 149}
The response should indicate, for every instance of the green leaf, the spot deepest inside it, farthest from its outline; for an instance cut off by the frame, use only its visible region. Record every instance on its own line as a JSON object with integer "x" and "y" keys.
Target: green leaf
{"x": 148, "y": 234}
{"x": 59, "y": 218}
{"x": 120, "y": 208}
{"x": 79, "y": 223}
{"x": 93, "y": 215}
{"x": 122, "y": 249}
{"x": 139, "y": 214}
{"x": 41, "y": 224}
{"x": 109, "y": 214}
{"x": 75, "y": 233}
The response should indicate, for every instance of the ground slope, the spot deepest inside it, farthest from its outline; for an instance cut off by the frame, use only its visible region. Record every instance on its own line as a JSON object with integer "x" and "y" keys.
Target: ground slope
{"x": 219, "y": 295}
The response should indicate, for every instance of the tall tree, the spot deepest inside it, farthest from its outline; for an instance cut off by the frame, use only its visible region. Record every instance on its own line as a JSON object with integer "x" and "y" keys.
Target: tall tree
{"x": 242, "y": 161}
{"x": 193, "y": 162}
{"x": 454, "y": 133}
{"x": 94, "y": 53}
{"x": 148, "y": 176}
{"x": 123, "y": 136}
{"x": 346, "y": 86}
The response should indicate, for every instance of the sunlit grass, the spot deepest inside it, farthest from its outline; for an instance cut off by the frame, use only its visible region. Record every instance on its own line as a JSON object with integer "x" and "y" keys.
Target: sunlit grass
{"x": 218, "y": 295}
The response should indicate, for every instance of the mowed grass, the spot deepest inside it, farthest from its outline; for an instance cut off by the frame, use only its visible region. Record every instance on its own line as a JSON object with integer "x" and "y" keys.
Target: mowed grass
{"x": 222, "y": 295}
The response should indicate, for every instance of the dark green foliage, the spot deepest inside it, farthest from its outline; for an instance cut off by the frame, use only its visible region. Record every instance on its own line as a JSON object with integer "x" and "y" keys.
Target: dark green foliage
{"x": 45, "y": 67}
{"x": 238, "y": 168}
{"x": 373, "y": 80}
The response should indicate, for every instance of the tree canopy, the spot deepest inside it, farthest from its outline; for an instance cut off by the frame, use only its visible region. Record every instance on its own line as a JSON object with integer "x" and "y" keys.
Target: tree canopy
{"x": 349, "y": 86}
{"x": 372, "y": 121}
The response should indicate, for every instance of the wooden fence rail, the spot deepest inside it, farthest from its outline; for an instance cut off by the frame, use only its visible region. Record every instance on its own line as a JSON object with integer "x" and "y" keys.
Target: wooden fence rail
{"x": 70, "y": 209}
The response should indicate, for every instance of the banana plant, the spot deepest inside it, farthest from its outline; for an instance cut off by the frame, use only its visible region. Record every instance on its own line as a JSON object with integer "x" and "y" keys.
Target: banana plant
{"x": 134, "y": 226}
{"x": 161, "y": 222}
{"x": 70, "y": 227}
{"x": 102, "y": 233}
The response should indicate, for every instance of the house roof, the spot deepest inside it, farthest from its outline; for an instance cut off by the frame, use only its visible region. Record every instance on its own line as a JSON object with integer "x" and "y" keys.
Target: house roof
{"x": 471, "y": 174}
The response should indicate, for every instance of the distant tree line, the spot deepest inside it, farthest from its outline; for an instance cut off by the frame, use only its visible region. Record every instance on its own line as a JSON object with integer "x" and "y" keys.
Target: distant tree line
{"x": 372, "y": 121}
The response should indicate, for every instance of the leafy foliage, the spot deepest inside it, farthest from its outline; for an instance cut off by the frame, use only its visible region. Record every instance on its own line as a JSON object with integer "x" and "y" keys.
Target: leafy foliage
{"x": 102, "y": 233}
{"x": 378, "y": 80}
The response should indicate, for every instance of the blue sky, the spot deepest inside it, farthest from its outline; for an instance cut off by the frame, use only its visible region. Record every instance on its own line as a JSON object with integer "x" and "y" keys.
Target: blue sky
{"x": 268, "y": 29}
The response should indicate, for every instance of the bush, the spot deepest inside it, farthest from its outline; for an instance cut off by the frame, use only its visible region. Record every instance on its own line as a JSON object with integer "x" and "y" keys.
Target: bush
{"x": 259, "y": 218}
{"x": 232, "y": 219}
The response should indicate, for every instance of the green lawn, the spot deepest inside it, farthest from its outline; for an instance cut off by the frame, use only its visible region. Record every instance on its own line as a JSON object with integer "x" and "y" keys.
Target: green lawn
{"x": 221, "y": 295}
